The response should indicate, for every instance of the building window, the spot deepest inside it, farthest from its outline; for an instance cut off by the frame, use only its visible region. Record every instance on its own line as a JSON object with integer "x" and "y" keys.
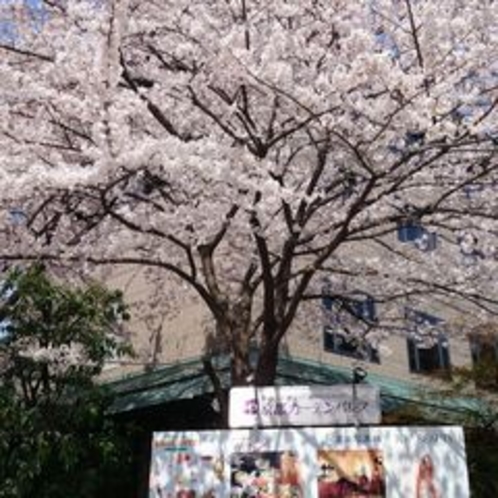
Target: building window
{"x": 409, "y": 231}
{"x": 346, "y": 344}
{"x": 427, "y": 242}
{"x": 414, "y": 232}
{"x": 469, "y": 248}
{"x": 17, "y": 216}
{"x": 484, "y": 351}
{"x": 347, "y": 323}
{"x": 472, "y": 190}
{"x": 428, "y": 355}
{"x": 427, "y": 344}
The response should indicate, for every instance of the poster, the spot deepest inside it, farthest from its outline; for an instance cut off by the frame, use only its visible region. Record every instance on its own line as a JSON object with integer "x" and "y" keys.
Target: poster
{"x": 363, "y": 462}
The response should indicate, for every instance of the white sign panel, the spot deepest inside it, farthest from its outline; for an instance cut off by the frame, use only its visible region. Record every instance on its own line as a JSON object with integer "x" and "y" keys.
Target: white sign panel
{"x": 304, "y": 406}
{"x": 377, "y": 462}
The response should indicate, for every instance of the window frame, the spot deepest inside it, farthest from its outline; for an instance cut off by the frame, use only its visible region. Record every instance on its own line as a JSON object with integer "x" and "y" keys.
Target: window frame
{"x": 417, "y": 340}
{"x": 333, "y": 342}
{"x": 356, "y": 310}
{"x": 480, "y": 344}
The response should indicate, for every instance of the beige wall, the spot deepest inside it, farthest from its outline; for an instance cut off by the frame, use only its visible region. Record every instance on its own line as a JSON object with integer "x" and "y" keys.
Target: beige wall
{"x": 162, "y": 340}
{"x": 393, "y": 356}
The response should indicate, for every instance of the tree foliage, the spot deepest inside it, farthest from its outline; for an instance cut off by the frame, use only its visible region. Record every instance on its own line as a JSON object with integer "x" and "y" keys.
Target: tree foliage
{"x": 55, "y": 438}
{"x": 251, "y": 149}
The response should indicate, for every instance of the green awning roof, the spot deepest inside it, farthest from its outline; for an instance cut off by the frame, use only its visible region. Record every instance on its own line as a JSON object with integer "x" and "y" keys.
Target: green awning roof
{"x": 186, "y": 380}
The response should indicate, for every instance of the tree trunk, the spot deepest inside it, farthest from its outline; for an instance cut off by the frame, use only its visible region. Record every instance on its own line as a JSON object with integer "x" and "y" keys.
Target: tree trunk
{"x": 241, "y": 369}
{"x": 266, "y": 368}
{"x": 237, "y": 328}
{"x": 220, "y": 394}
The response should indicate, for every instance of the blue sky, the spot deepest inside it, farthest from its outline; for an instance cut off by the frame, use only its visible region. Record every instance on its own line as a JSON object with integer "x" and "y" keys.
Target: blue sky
{"x": 8, "y": 31}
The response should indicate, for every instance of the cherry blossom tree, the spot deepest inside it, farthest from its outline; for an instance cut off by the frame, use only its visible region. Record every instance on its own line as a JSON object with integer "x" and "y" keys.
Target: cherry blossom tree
{"x": 258, "y": 153}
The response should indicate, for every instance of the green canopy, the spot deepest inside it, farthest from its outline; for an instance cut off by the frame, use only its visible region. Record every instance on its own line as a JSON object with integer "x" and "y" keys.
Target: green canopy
{"x": 188, "y": 379}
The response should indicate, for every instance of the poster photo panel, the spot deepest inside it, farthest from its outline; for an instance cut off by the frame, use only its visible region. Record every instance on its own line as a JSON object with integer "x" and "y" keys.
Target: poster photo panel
{"x": 346, "y": 462}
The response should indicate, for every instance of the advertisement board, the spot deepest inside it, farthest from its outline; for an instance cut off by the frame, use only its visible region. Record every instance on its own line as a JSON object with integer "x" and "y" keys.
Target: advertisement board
{"x": 278, "y": 406}
{"x": 375, "y": 462}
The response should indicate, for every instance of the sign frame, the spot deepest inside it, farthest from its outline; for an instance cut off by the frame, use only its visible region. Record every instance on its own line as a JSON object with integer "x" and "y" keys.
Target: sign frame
{"x": 299, "y": 406}
{"x": 379, "y": 462}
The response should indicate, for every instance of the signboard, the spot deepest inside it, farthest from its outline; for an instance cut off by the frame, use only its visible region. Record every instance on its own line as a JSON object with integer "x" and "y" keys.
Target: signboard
{"x": 378, "y": 462}
{"x": 357, "y": 404}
